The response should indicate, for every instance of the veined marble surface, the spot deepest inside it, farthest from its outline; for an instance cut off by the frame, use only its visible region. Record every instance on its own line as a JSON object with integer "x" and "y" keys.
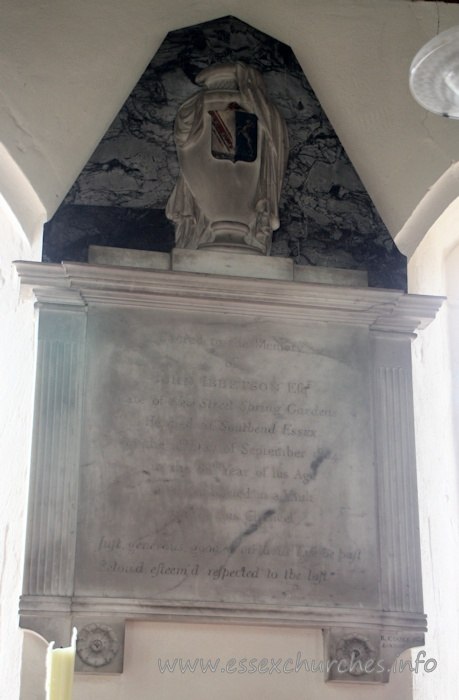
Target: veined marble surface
{"x": 327, "y": 217}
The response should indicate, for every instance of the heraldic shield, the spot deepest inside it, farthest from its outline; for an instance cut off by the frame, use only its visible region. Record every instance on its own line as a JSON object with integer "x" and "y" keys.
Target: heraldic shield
{"x": 232, "y": 148}
{"x": 234, "y": 134}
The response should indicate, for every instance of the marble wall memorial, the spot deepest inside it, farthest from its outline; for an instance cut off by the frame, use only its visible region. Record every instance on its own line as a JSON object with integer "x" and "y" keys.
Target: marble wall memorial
{"x": 214, "y": 447}
{"x": 222, "y": 436}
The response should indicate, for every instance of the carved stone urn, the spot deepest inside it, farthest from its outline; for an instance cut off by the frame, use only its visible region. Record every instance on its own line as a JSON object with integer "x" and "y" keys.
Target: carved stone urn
{"x": 232, "y": 149}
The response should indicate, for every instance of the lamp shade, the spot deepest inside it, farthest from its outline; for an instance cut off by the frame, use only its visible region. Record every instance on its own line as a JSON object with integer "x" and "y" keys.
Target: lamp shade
{"x": 434, "y": 74}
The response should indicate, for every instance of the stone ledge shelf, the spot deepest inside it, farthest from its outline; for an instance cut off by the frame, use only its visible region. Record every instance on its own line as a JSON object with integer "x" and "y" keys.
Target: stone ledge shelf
{"x": 234, "y": 264}
{"x": 77, "y": 284}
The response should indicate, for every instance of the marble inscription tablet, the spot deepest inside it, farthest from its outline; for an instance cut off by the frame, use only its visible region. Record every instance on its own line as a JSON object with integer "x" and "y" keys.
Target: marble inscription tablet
{"x": 226, "y": 459}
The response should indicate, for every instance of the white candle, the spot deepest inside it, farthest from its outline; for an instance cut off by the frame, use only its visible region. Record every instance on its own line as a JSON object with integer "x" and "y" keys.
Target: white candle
{"x": 59, "y": 671}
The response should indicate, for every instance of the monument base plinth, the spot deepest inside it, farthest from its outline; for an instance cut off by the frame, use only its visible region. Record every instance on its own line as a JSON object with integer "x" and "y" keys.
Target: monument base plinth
{"x": 227, "y": 263}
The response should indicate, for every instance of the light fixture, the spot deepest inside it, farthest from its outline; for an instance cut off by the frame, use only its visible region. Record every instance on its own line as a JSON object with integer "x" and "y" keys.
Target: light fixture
{"x": 434, "y": 74}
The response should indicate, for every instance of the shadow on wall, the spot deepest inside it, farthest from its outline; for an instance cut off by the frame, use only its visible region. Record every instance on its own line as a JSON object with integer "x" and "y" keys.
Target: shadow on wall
{"x": 327, "y": 217}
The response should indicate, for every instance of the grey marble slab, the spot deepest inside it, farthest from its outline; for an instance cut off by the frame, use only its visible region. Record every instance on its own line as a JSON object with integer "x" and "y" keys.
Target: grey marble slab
{"x": 226, "y": 460}
{"x": 330, "y": 275}
{"x": 213, "y": 262}
{"x": 126, "y": 257}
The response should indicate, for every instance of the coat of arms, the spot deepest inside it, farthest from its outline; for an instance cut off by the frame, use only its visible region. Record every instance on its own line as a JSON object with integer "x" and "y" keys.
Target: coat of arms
{"x": 234, "y": 134}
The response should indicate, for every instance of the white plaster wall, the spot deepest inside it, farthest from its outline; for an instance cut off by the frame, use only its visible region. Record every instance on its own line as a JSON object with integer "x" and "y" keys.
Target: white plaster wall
{"x": 66, "y": 68}
{"x": 16, "y": 382}
{"x": 452, "y": 278}
{"x": 436, "y": 435}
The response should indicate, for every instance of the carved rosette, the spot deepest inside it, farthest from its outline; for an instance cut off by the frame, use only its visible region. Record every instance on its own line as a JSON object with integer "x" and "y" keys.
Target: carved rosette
{"x": 97, "y": 645}
{"x": 356, "y": 650}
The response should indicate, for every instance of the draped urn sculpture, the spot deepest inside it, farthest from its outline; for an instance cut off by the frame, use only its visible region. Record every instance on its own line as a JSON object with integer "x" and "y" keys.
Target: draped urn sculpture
{"x": 232, "y": 148}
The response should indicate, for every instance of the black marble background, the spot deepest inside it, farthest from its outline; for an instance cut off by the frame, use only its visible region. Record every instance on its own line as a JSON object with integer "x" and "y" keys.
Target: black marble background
{"x": 327, "y": 217}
